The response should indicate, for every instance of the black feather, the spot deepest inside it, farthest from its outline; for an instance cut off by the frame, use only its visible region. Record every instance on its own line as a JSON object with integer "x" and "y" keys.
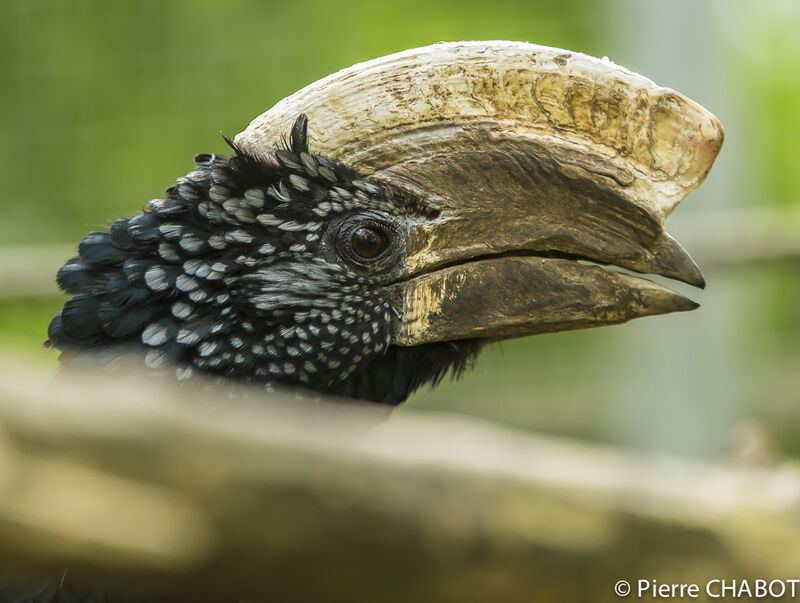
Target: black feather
{"x": 168, "y": 207}
{"x": 143, "y": 227}
{"x": 120, "y": 292}
{"x": 54, "y": 330}
{"x": 299, "y": 137}
{"x": 134, "y": 270}
{"x": 120, "y": 236}
{"x": 97, "y": 247}
{"x": 79, "y": 316}
{"x": 118, "y": 322}
{"x": 227, "y": 140}
{"x": 77, "y": 276}
{"x": 174, "y": 351}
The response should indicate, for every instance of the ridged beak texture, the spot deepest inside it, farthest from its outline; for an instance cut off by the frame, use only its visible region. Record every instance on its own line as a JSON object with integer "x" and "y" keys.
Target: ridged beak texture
{"x": 531, "y": 158}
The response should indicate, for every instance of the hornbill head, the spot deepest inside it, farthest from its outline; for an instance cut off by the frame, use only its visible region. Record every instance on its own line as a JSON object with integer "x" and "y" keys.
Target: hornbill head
{"x": 423, "y": 204}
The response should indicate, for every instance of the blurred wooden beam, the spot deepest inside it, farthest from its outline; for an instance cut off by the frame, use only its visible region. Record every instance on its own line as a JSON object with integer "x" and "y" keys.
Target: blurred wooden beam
{"x": 185, "y": 494}
{"x": 740, "y": 237}
{"x": 30, "y": 270}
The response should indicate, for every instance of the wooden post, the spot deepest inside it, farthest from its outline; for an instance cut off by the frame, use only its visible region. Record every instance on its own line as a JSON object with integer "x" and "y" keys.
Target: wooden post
{"x": 184, "y": 494}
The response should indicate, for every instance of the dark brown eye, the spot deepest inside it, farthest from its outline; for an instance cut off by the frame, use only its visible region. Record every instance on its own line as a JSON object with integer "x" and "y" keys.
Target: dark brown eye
{"x": 368, "y": 242}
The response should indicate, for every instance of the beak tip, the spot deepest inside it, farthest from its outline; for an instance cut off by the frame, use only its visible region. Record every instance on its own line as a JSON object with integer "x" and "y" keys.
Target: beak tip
{"x": 691, "y": 305}
{"x": 701, "y": 282}
{"x": 667, "y": 301}
{"x": 697, "y": 280}
{"x": 673, "y": 261}
{"x": 657, "y": 299}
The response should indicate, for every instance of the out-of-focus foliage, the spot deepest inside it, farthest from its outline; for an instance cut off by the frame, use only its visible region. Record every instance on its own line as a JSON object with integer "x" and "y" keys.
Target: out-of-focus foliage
{"x": 764, "y": 58}
{"x": 104, "y": 103}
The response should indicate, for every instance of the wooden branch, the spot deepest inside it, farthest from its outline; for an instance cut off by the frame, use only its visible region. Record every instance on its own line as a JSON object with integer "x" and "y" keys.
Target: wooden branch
{"x": 184, "y": 494}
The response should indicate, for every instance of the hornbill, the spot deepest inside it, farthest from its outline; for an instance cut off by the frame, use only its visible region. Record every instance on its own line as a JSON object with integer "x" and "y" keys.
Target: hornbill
{"x": 374, "y": 230}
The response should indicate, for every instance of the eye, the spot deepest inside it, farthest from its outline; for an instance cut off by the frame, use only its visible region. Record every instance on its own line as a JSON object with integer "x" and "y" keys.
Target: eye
{"x": 368, "y": 242}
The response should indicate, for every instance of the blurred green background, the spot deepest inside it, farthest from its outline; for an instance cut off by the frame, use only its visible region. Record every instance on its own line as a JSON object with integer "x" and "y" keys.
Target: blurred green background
{"x": 103, "y": 103}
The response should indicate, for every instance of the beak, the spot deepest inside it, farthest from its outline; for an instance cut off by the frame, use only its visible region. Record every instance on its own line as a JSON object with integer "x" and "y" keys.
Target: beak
{"x": 543, "y": 170}
{"x": 525, "y": 241}
{"x": 516, "y": 296}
